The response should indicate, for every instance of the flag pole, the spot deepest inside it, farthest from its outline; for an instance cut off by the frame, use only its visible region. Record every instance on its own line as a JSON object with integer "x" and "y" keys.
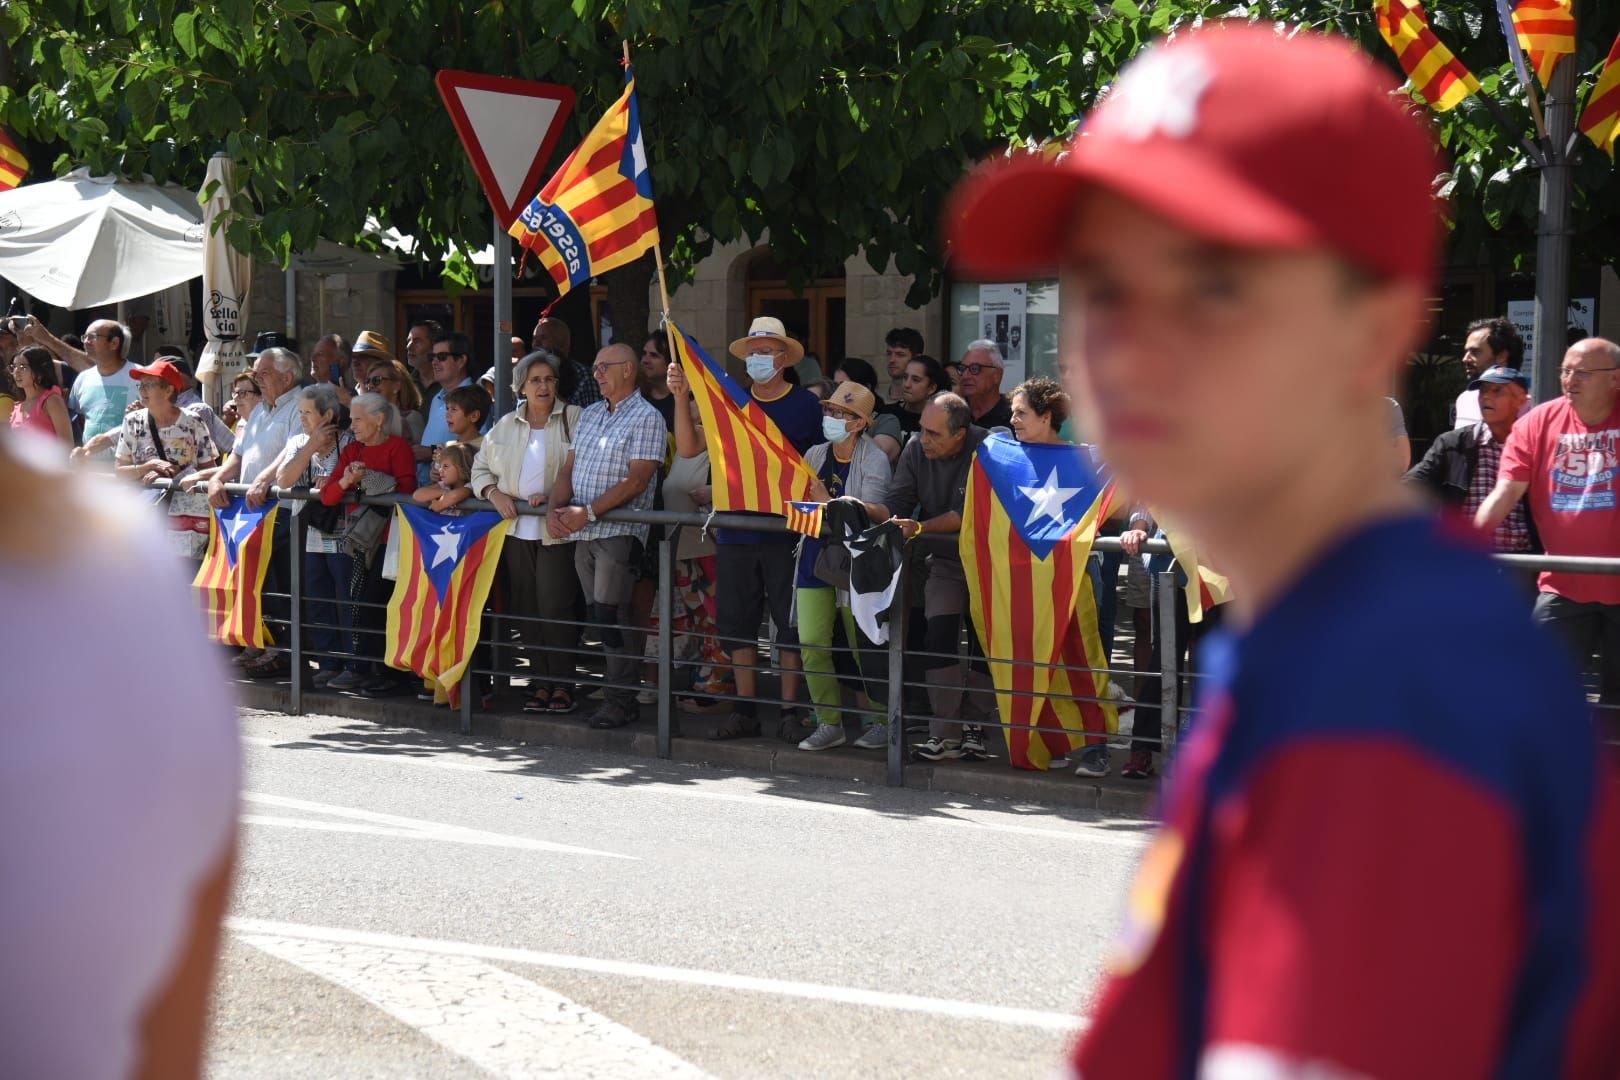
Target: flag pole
{"x": 658, "y": 248}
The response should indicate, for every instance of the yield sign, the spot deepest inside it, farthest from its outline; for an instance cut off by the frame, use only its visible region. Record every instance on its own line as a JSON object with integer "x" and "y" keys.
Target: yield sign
{"x": 509, "y": 127}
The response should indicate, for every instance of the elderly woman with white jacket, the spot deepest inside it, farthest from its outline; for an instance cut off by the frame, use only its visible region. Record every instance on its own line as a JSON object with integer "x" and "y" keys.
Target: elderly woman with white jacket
{"x": 519, "y": 461}
{"x": 848, "y": 465}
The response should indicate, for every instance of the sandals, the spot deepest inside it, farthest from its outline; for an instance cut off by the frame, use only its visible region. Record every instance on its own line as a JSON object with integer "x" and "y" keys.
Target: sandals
{"x": 737, "y": 726}
{"x": 538, "y": 701}
{"x": 562, "y": 701}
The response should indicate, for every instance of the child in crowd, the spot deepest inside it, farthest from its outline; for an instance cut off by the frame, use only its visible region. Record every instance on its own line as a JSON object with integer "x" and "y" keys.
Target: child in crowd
{"x": 466, "y": 412}
{"x": 452, "y": 471}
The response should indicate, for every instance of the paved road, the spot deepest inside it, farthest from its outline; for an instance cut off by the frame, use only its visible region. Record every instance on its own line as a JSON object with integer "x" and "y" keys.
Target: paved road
{"x": 420, "y": 905}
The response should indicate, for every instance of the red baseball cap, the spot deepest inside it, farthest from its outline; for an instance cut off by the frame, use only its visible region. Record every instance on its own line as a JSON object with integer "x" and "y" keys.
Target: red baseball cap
{"x": 1237, "y": 133}
{"x": 163, "y": 369}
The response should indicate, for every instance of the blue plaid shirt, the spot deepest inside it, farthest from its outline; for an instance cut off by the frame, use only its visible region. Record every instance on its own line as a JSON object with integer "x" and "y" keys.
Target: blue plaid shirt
{"x": 586, "y": 392}
{"x": 605, "y": 444}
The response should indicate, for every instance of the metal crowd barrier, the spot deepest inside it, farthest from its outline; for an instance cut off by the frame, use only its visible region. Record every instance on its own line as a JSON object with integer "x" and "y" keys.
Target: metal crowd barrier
{"x": 1174, "y": 710}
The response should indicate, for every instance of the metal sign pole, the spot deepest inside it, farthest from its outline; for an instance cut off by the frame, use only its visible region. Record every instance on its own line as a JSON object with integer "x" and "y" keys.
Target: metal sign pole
{"x": 502, "y": 275}
{"x": 1553, "y": 234}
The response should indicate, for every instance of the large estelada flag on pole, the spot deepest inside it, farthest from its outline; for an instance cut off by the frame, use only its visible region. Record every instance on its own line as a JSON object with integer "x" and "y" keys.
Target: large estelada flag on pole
{"x": 446, "y": 566}
{"x": 1546, "y": 32}
{"x": 1031, "y": 514}
{"x": 13, "y": 165}
{"x": 597, "y": 212}
{"x": 233, "y": 570}
{"x": 1435, "y": 72}
{"x": 751, "y": 463}
{"x": 1601, "y": 120}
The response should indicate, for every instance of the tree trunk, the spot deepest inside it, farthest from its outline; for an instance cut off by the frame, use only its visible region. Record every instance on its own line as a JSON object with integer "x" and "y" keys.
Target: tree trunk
{"x": 627, "y": 289}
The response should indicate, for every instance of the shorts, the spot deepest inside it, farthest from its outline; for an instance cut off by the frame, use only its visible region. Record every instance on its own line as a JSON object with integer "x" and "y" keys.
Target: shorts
{"x": 945, "y": 592}
{"x": 607, "y": 568}
{"x": 1138, "y": 584}
{"x": 751, "y": 579}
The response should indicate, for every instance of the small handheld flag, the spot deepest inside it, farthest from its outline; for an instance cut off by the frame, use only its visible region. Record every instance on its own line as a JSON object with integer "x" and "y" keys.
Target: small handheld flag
{"x": 446, "y": 567}
{"x": 805, "y": 517}
{"x": 232, "y": 574}
{"x": 597, "y": 212}
{"x": 1434, "y": 71}
{"x": 753, "y": 465}
{"x": 13, "y": 165}
{"x": 1601, "y": 120}
{"x": 1031, "y": 513}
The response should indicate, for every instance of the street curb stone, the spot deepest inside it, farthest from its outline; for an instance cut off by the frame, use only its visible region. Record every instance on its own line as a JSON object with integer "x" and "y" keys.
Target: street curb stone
{"x": 761, "y": 756}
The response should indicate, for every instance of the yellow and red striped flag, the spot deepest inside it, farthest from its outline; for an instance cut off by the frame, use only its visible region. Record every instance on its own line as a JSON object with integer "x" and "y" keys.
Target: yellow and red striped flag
{"x": 232, "y": 573}
{"x": 1434, "y": 71}
{"x": 805, "y": 517}
{"x": 1546, "y": 32}
{"x": 597, "y": 212}
{"x": 752, "y": 465}
{"x": 13, "y": 166}
{"x": 1206, "y": 588}
{"x": 1601, "y": 120}
{"x": 446, "y": 566}
{"x": 1028, "y": 522}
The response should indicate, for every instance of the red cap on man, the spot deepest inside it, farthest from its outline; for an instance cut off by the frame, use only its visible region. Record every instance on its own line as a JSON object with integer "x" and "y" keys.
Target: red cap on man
{"x": 1195, "y": 131}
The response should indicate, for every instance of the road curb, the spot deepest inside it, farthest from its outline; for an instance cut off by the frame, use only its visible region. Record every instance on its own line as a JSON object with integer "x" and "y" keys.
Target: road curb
{"x": 757, "y": 756}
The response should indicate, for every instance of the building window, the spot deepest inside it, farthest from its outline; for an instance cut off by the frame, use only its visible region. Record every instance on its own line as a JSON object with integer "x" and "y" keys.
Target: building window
{"x": 1020, "y": 316}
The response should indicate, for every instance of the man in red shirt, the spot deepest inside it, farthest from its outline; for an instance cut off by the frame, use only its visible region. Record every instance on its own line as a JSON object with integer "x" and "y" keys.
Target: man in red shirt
{"x": 1566, "y": 454}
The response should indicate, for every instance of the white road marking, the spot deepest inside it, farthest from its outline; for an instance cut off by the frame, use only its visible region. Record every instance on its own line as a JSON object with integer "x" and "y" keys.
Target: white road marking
{"x": 1089, "y": 834}
{"x": 495, "y": 1019}
{"x": 378, "y": 824}
{"x": 719, "y": 980}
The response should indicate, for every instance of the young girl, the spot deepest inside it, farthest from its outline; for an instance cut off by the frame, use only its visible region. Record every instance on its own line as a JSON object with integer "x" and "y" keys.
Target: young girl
{"x": 452, "y": 467}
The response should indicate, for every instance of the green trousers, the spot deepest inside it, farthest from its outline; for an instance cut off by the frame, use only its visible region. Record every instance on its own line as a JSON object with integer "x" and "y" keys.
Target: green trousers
{"x": 818, "y": 611}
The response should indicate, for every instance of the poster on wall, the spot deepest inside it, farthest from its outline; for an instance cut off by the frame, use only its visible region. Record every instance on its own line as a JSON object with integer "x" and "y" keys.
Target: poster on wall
{"x": 1001, "y": 314}
{"x": 1522, "y": 313}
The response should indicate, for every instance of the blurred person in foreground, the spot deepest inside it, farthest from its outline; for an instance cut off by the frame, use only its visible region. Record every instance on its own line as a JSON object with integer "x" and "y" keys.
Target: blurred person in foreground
{"x": 1376, "y": 859}
{"x": 118, "y": 815}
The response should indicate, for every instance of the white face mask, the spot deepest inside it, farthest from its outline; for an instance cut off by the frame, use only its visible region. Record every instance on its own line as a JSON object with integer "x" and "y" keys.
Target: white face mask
{"x": 835, "y": 430}
{"x": 761, "y": 367}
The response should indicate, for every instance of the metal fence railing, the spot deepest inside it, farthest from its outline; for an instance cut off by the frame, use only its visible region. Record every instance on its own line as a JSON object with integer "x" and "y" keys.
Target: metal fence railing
{"x": 901, "y": 674}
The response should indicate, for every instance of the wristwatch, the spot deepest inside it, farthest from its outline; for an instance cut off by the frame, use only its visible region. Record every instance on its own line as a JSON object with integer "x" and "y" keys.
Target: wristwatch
{"x": 590, "y": 514}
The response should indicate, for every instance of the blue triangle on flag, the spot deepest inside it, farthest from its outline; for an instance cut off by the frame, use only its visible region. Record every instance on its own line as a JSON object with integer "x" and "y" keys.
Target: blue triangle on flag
{"x": 1045, "y": 488}
{"x": 444, "y": 541}
{"x": 237, "y": 522}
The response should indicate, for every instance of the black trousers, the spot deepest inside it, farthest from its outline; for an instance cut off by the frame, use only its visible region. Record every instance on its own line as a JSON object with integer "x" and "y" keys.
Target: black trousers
{"x": 1149, "y": 728}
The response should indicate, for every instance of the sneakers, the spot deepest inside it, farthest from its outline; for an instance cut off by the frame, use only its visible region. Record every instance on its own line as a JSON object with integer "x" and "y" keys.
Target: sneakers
{"x": 610, "y": 715}
{"x": 1139, "y": 767}
{"x": 647, "y": 697}
{"x": 348, "y": 680}
{"x": 937, "y": 749}
{"x": 247, "y": 656}
{"x": 973, "y": 748}
{"x": 322, "y": 679}
{"x": 825, "y": 737}
{"x": 875, "y": 737}
{"x": 380, "y": 686}
{"x": 1093, "y": 762}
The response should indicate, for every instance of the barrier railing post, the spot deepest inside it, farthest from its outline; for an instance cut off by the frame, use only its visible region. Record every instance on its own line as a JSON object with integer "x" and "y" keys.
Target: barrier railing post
{"x": 666, "y": 642}
{"x": 1169, "y": 679}
{"x": 899, "y": 610}
{"x": 296, "y": 539}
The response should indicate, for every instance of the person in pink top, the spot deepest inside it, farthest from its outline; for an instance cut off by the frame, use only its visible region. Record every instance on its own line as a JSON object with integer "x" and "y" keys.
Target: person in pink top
{"x": 43, "y": 409}
{"x": 1566, "y": 454}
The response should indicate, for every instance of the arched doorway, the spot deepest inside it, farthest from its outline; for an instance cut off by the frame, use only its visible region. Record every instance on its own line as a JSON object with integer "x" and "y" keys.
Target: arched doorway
{"x": 816, "y": 314}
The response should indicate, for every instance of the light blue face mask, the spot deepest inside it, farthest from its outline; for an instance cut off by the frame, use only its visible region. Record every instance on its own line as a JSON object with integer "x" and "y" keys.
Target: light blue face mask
{"x": 835, "y": 429}
{"x": 761, "y": 367}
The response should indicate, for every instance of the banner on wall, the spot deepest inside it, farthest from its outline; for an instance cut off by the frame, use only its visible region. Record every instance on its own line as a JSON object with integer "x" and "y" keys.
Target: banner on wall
{"x": 1002, "y": 309}
{"x": 1523, "y": 315}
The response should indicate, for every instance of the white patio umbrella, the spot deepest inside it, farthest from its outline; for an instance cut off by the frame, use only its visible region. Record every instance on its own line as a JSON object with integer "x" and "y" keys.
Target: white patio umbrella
{"x": 82, "y": 241}
{"x": 227, "y": 275}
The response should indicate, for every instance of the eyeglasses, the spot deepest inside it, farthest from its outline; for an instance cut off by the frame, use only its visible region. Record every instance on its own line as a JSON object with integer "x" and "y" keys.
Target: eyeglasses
{"x": 1577, "y": 374}
{"x": 447, "y": 355}
{"x": 377, "y": 380}
{"x": 19, "y": 367}
{"x": 542, "y": 380}
{"x": 244, "y": 391}
{"x": 975, "y": 369}
{"x": 602, "y": 365}
{"x": 95, "y": 335}
{"x": 838, "y": 412}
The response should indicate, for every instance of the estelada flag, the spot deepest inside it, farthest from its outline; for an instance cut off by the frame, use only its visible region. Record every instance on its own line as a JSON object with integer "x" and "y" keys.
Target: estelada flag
{"x": 233, "y": 570}
{"x": 1031, "y": 514}
{"x": 1601, "y": 120}
{"x": 596, "y": 213}
{"x": 1435, "y": 72}
{"x": 1546, "y": 32}
{"x": 13, "y": 165}
{"x": 751, "y": 464}
{"x": 446, "y": 566}
{"x": 805, "y": 517}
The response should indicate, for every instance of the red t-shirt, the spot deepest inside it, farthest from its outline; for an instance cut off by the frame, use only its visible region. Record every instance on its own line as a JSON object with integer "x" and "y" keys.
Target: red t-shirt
{"x": 392, "y": 456}
{"x": 1574, "y": 475}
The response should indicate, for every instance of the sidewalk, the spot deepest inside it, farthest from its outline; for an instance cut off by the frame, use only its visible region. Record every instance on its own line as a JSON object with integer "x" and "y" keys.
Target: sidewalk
{"x": 994, "y": 778}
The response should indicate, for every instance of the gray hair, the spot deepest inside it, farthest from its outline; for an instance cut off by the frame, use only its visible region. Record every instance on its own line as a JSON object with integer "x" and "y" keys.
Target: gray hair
{"x": 287, "y": 362}
{"x": 957, "y": 414}
{"x": 324, "y": 397}
{"x": 377, "y": 405}
{"x": 520, "y": 370}
{"x": 987, "y": 346}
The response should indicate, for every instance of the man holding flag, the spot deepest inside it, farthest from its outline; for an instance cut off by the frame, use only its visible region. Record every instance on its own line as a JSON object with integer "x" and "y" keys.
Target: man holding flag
{"x": 1237, "y": 317}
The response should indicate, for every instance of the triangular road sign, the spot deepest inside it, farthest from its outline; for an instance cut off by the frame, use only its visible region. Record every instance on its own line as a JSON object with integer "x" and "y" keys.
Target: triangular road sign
{"x": 509, "y": 127}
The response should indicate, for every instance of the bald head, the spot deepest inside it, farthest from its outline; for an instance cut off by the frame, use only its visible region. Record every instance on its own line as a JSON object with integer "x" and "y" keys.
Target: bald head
{"x": 1590, "y": 379}
{"x": 615, "y": 371}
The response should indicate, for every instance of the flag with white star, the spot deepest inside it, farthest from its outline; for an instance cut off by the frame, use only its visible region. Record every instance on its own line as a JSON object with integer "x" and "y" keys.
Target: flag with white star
{"x": 232, "y": 574}
{"x": 447, "y": 564}
{"x": 1031, "y": 514}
